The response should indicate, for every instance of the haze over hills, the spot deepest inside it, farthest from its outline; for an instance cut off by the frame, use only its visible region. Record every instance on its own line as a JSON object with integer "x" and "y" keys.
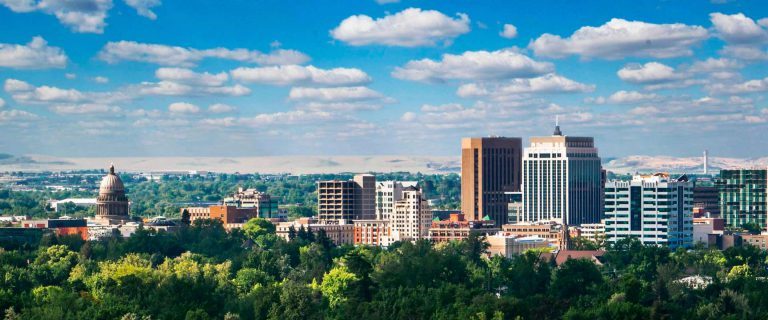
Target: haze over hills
{"x": 336, "y": 164}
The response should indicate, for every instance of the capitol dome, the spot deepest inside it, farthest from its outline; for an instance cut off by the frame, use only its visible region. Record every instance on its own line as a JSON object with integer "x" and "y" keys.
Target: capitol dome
{"x": 111, "y": 183}
{"x": 112, "y": 202}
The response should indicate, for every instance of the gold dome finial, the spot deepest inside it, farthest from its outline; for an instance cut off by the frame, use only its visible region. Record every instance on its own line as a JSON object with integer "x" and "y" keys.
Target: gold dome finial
{"x": 111, "y": 168}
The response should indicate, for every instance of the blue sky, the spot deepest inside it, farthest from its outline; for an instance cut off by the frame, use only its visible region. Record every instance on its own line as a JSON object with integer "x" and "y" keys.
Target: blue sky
{"x": 254, "y": 78}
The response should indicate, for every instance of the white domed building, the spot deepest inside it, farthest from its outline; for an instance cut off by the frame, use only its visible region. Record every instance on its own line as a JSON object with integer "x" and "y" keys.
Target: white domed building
{"x": 112, "y": 204}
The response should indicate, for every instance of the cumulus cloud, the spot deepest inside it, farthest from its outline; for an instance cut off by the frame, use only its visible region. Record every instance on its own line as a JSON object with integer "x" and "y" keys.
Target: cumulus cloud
{"x": 649, "y": 73}
{"x": 183, "y": 107}
{"x": 85, "y": 108}
{"x": 714, "y": 65}
{"x": 551, "y": 83}
{"x": 143, "y": 7}
{"x": 622, "y": 97}
{"x": 16, "y": 116}
{"x": 277, "y": 118}
{"x": 338, "y": 94}
{"x": 34, "y": 55}
{"x": 221, "y": 108}
{"x": 86, "y": 16}
{"x": 187, "y": 76}
{"x": 411, "y": 27}
{"x": 2, "y": 103}
{"x": 509, "y": 31}
{"x": 171, "y": 88}
{"x": 738, "y": 28}
{"x": 473, "y": 65}
{"x": 750, "y": 86}
{"x": 114, "y": 52}
{"x": 619, "y": 38}
{"x": 100, "y": 79}
{"x": 301, "y": 75}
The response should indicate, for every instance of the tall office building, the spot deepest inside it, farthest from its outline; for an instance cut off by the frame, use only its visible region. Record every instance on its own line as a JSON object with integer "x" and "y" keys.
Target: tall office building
{"x": 562, "y": 180}
{"x": 653, "y": 209}
{"x": 743, "y": 196}
{"x": 387, "y": 193}
{"x": 343, "y": 201}
{"x": 490, "y": 167}
{"x": 412, "y": 217}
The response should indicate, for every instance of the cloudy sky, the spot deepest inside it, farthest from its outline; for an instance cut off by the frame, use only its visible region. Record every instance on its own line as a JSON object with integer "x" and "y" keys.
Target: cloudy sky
{"x": 373, "y": 77}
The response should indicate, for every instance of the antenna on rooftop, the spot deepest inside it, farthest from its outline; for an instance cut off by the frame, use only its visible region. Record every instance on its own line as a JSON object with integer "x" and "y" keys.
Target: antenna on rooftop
{"x": 557, "y": 126}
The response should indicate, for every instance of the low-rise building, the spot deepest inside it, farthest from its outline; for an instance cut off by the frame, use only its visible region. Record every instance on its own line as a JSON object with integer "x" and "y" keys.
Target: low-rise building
{"x": 457, "y": 227}
{"x": 550, "y": 231}
{"x": 594, "y": 232}
{"x": 372, "y": 233}
{"x": 757, "y": 240}
{"x": 507, "y": 246}
{"x": 264, "y": 204}
{"x": 61, "y": 227}
{"x": 340, "y": 233}
{"x": 704, "y": 227}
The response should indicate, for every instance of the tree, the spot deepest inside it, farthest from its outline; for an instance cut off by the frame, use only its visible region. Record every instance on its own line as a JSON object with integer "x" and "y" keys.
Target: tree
{"x": 185, "y": 218}
{"x": 339, "y": 286}
{"x": 258, "y": 227}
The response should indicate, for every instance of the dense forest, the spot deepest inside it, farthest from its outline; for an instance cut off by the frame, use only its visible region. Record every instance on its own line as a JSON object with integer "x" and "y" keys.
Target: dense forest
{"x": 165, "y": 197}
{"x": 204, "y": 272}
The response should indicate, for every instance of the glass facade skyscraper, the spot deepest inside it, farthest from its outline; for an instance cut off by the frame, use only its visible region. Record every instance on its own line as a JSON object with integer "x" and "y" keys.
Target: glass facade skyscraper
{"x": 743, "y": 196}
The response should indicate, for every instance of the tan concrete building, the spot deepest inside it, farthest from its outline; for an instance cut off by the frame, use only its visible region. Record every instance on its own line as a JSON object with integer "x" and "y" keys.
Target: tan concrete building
{"x": 757, "y": 240}
{"x": 489, "y": 168}
{"x": 507, "y": 246}
{"x": 412, "y": 217}
{"x": 457, "y": 228}
{"x": 339, "y": 233}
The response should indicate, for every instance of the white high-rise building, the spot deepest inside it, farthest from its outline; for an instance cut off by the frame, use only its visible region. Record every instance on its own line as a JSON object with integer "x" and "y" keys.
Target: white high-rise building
{"x": 412, "y": 218}
{"x": 652, "y": 208}
{"x": 387, "y": 193}
{"x": 562, "y": 180}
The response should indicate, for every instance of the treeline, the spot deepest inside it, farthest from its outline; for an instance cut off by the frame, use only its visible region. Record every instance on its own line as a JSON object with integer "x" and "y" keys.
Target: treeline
{"x": 204, "y": 272}
{"x": 166, "y": 197}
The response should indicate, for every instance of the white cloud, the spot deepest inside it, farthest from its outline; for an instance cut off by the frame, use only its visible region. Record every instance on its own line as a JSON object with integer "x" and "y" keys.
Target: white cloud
{"x": 649, "y": 73}
{"x": 186, "y": 76}
{"x": 387, "y": 1}
{"x": 473, "y": 65}
{"x": 34, "y": 55}
{"x": 24, "y": 92}
{"x": 16, "y": 116}
{"x": 300, "y": 75}
{"x": 338, "y": 94}
{"x": 101, "y": 79}
{"x": 13, "y": 85}
{"x": 750, "y": 86}
{"x": 143, "y": 7}
{"x": 278, "y": 118}
{"x": 509, "y": 31}
{"x": 171, "y": 88}
{"x": 221, "y": 108}
{"x": 550, "y": 83}
{"x": 744, "y": 52}
{"x": 620, "y": 38}
{"x": 714, "y": 65}
{"x": 85, "y": 16}
{"x": 411, "y": 27}
{"x": 441, "y": 108}
{"x": 738, "y": 28}
{"x": 408, "y": 116}
{"x": 2, "y": 103}
{"x": 70, "y": 76}
{"x": 340, "y": 106}
{"x": 622, "y": 96}
{"x": 183, "y": 107}
{"x": 114, "y": 52}
{"x": 84, "y": 108}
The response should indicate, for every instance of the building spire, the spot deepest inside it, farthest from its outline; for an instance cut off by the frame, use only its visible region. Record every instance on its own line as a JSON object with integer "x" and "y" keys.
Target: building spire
{"x": 111, "y": 168}
{"x": 557, "y": 127}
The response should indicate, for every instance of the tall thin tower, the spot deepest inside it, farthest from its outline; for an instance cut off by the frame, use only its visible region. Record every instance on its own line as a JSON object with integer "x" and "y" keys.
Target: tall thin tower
{"x": 706, "y": 161}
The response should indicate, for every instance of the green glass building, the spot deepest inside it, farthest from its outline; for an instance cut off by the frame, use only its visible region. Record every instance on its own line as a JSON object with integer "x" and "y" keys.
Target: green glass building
{"x": 743, "y": 196}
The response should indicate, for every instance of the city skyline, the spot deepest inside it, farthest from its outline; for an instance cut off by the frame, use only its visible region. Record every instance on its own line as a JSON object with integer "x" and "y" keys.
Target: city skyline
{"x": 145, "y": 78}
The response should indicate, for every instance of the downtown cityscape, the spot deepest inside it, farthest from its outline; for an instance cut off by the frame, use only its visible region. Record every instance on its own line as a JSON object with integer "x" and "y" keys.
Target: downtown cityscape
{"x": 383, "y": 159}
